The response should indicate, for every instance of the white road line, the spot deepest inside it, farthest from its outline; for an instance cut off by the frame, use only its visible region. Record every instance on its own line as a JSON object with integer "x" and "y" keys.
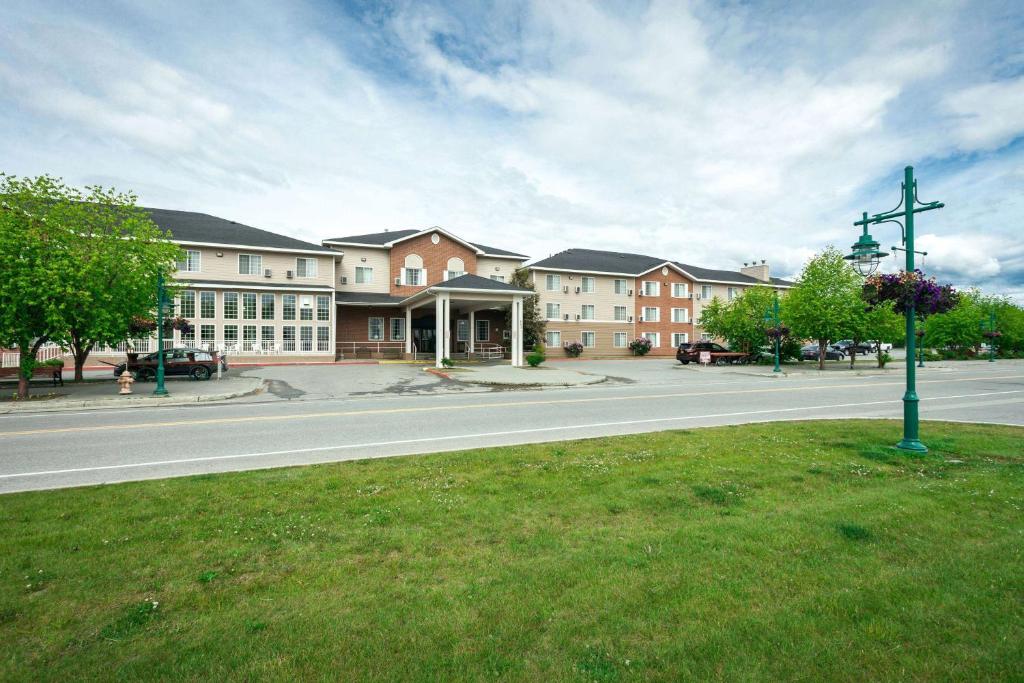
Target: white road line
{"x": 434, "y": 439}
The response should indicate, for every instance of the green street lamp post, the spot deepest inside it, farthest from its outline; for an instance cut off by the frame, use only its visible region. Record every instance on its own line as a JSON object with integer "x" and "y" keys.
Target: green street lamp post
{"x": 865, "y": 256}
{"x": 920, "y": 352}
{"x": 161, "y": 304}
{"x": 773, "y": 317}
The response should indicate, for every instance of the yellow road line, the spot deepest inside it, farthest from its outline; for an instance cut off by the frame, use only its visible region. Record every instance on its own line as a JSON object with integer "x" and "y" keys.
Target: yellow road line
{"x": 468, "y": 406}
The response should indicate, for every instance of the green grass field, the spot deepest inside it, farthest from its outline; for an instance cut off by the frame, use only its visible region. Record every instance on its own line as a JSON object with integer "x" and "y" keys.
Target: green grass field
{"x": 786, "y": 551}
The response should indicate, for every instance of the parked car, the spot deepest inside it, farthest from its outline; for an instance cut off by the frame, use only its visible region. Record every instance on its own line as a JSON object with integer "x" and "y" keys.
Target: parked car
{"x": 687, "y": 353}
{"x": 810, "y": 352}
{"x": 179, "y": 362}
{"x": 849, "y": 348}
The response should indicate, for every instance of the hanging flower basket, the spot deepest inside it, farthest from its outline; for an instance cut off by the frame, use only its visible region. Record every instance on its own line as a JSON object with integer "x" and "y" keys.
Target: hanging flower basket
{"x": 141, "y": 327}
{"x": 573, "y": 349}
{"x": 640, "y": 346}
{"x": 992, "y": 335}
{"x": 910, "y": 289}
{"x": 779, "y": 332}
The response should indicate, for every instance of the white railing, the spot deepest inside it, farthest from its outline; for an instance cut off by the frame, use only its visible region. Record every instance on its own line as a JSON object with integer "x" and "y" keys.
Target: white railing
{"x": 489, "y": 351}
{"x": 352, "y": 348}
{"x": 12, "y": 358}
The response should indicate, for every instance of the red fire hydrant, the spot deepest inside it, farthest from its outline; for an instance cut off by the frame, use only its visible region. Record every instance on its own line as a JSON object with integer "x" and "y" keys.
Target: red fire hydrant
{"x": 126, "y": 380}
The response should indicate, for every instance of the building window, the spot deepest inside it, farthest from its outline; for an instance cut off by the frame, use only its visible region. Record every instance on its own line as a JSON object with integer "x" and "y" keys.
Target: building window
{"x": 230, "y": 336}
{"x": 619, "y": 340}
{"x": 552, "y": 283}
{"x": 680, "y": 315}
{"x": 288, "y": 337}
{"x": 498, "y": 278}
{"x": 189, "y": 338}
{"x": 305, "y": 267}
{"x": 620, "y": 313}
{"x": 207, "y": 335}
{"x": 323, "y": 307}
{"x": 250, "y": 264}
{"x": 483, "y": 330}
{"x": 413, "y": 277}
{"x": 305, "y": 338}
{"x": 651, "y": 314}
{"x": 679, "y": 338}
{"x": 462, "y": 330}
{"x": 654, "y": 338}
{"x": 553, "y": 339}
{"x": 248, "y": 306}
{"x": 323, "y": 338}
{"x": 588, "y": 339}
{"x": 397, "y": 329}
{"x": 652, "y": 288}
{"x": 364, "y": 275}
{"x": 620, "y": 287}
{"x": 190, "y": 261}
{"x": 267, "y": 306}
{"x": 188, "y": 304}
{"x": 207, "y": 304}
{"x": 680, "y": 290}
{"x": 706, "y": 292}
{"x": 456, "y": 268}
{"x": 305, "y": 307}
{"x": 704, "y": 336}
{"x": 413, "y": 274}
{"x": 733, "y": 292}
{"x": 375, "y": 331}
{"x": 231, "y": 305}
{"x": 267, "y": 337}
{"x": 587, "y": 312}
{"x": 553, "y": 311}
{"x": 589, "y": 285}
{"x": 248, "y": 337}
{"x": 288, "y": 307}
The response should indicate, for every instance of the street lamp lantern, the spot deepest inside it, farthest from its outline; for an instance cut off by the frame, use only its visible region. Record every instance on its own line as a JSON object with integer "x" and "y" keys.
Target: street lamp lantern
{"x": 866, "y": 253}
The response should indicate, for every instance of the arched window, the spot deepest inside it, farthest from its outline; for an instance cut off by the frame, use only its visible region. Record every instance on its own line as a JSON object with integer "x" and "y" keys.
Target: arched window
{"x": 414, "y": 274}
{"x": 456, "y": 267}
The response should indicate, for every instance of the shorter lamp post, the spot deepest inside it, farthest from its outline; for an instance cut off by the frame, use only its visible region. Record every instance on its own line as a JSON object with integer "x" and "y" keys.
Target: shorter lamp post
{"x": 772, "y": 316}
{"x": 991, "y": 335}
{"x": 161, "y": 304}
{"x": 920, "y": 351}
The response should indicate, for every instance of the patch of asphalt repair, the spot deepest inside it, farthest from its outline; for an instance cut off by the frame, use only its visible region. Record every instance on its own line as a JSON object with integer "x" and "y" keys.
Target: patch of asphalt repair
{"x": 282, "y": 389}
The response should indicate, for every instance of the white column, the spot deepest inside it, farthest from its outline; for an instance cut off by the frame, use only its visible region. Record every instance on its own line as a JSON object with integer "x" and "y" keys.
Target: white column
{"x": 408, "y": 330}
{"x": 472, "y": 330}
{"x": 438, "y": 329}
{"x": 517, "y": 331}
{"x": 447, "y": 326}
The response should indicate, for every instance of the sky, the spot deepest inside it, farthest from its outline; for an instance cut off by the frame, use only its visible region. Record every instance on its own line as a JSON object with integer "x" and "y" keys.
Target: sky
{"x": 708, "y": 133}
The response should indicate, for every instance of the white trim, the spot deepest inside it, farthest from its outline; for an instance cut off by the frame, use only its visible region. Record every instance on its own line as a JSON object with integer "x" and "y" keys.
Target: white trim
{"x": 666, "y": 264}
{"x": 213, "y": 285}
{"x": 581, "y": 272}
{"x": 427, "y": 231}
{"x": 325, "y": 252}
{"x": 583, "y": 332}
{"x": 636, "y": 275}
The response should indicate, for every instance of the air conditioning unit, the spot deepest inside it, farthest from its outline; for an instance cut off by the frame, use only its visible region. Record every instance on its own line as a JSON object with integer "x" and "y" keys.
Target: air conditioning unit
{"x": 640, "y": 293}
{"x": 268, "y": 273}
{"x": 398, "y": 280}
{"x": 698, "y": 297}
{"x": 641, "y": 319}
{"x": 565, "y": 290}
{"x": 577, "y": 290}
{"x": 630, "y": 293}
{"x": 629, "y": 319}
{"x": 577, "y": 316}
{"x": 566, "y": 316}
{"x": 344, "y": 280}
{"x": 289, "y": 274}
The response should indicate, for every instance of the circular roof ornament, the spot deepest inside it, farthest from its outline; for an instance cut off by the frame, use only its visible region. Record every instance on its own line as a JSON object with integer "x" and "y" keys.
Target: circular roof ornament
{"x": 435, "y": 238}
{"x": 664, "y": 270}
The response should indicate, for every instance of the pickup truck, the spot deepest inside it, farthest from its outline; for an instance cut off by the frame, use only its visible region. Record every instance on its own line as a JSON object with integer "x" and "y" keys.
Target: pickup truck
{"x": 687, "y": 353}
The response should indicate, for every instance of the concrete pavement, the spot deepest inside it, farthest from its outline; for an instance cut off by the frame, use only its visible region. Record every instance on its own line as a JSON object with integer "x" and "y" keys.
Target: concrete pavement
{"x": 70, "y": 449}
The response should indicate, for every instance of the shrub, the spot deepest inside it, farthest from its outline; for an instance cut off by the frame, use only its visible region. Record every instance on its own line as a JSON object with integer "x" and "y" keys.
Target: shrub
{"x": 883, "y": 359}
{"x": 534, "y": 359}
{"x": 640, "y": 346}
{"x": 447, "y": 362}
{"x": 53, "y": 363}
{"x": 573, "y": 349}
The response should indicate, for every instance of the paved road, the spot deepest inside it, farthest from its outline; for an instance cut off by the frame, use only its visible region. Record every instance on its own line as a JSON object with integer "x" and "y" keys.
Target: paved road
{"x": 39, "y": 451}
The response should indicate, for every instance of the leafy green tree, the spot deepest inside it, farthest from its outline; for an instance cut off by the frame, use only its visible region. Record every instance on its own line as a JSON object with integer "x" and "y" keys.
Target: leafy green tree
{"x": 533, "y": 321}
{"x": 82, "y": 266}
{"x": 959, "y": 329}
{"x": 879, "y": 324}
{"x": 826, "y": 303}
{"x": 741, "y": 321}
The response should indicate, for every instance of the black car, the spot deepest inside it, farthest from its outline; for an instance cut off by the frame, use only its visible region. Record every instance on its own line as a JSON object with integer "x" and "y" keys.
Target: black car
{"x": 848, "y": 347}
{"x": 181, "y": 362}
{"x": 810, "y": 352}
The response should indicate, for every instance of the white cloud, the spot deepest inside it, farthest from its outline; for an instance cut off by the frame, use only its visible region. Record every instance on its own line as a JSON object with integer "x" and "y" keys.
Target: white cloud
{"x": 987, "y": 115}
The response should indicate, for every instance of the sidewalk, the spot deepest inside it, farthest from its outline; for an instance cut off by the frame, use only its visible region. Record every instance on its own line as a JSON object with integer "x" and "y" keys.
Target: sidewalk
{"x": 862, "y": 368}
{"x": 92, "y": 395}
{"x": 508, "y": 376}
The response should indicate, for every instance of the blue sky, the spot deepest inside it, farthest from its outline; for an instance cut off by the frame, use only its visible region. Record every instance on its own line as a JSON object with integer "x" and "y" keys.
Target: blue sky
{"x": 710, "y": 133}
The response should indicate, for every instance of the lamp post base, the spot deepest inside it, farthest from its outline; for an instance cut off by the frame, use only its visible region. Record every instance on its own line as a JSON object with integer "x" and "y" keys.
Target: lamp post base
{"x": 160, "y": 392}
{"x": 912, "y": 445}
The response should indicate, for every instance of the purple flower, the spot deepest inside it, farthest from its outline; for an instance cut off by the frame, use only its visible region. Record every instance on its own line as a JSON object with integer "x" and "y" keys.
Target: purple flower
{"x": 906, "y": 290}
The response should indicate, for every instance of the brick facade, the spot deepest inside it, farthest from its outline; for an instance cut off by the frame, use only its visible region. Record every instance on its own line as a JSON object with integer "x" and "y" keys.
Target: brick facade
{"x": 665, "y": 302}
{"x": 435, "y": 260}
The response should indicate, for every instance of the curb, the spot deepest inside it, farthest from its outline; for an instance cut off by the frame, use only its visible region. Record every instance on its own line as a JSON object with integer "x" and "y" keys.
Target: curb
{"x": 140, "y": 402}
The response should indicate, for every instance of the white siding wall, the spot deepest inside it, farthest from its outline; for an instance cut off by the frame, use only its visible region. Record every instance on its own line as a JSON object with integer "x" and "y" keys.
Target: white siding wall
{"x": 378, "y": 259}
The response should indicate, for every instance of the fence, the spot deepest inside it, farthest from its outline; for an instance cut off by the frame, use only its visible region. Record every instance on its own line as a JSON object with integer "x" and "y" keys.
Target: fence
{"x": 12, "y": 358}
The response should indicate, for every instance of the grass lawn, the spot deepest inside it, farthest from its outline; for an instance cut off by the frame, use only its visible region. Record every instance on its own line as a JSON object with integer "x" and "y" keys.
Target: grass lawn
{"x": 793, "y": 550}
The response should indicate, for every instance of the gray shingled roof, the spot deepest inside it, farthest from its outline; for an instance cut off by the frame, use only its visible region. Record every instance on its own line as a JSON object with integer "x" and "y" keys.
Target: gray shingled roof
{"x": 367, "y": 299}
{"x": 470, "y": 281}
{"x": 188, "y": 226}
{"x": 381, "y": 238}
{"x": 728, "y": 275}
{"x": 592, "y": 260}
